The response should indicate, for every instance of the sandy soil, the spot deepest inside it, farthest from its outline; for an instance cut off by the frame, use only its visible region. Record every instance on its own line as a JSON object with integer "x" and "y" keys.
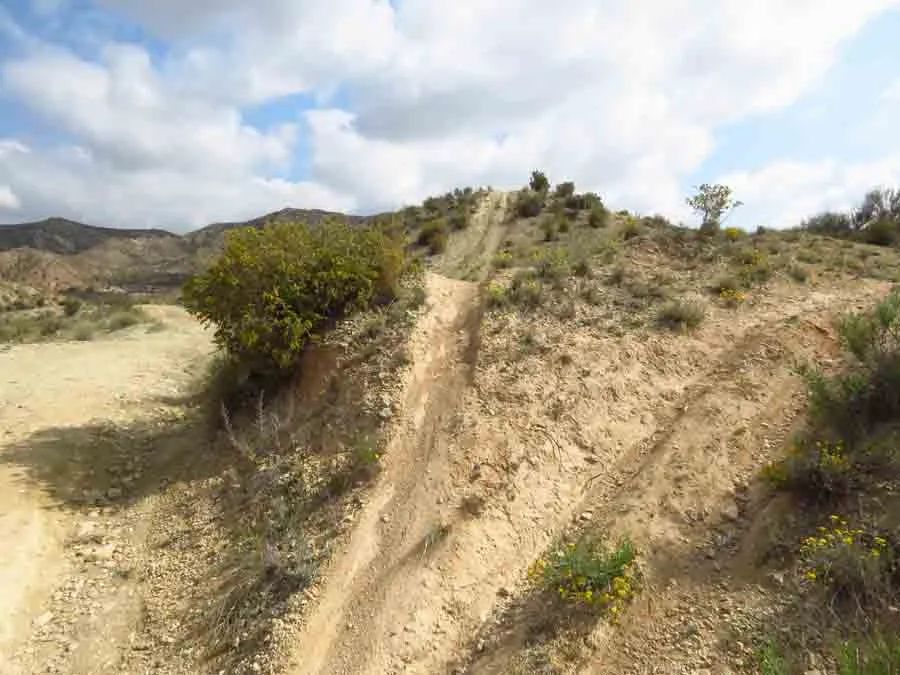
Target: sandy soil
{"x": 57, "y": 401}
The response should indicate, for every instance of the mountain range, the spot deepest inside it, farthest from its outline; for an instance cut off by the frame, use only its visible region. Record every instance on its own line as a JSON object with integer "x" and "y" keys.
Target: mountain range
{"x": 57, "y": 253}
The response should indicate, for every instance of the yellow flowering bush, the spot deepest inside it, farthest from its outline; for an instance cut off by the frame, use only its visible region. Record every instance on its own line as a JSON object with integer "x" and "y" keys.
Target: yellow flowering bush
{"x": 820, "y": 470}
{"x": 732, "y": 297}
{"x": 588, "y": 573}
{"x": 733, "y": 233}
{"x": 852, "y": 562}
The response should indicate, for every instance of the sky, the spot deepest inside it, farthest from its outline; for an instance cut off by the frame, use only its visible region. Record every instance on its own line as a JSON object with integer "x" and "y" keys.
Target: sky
{"x": 174, "y": 114}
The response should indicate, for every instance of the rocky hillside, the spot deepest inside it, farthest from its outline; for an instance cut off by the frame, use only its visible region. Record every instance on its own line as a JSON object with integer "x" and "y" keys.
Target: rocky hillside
{"x": 56, "y": 254}
{"x": 63, "y": 236}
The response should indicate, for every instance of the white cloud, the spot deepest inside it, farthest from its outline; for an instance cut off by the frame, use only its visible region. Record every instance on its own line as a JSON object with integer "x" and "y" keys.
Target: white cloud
{"x": 414, "y": 98}
{"x": 8, "y": 198}
{"x": 892, "y": 92}
{"x": 125, "y": 112}
{"x": 784, "y": 193}
{"x": 71, "y": 181}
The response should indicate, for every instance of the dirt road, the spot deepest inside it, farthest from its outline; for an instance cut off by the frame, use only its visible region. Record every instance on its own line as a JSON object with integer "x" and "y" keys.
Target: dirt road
{"x": 60, "y": 407}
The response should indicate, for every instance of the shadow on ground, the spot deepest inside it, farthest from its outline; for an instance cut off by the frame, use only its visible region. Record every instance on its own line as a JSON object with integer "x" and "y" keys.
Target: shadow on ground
{"x": 106, "y": 464}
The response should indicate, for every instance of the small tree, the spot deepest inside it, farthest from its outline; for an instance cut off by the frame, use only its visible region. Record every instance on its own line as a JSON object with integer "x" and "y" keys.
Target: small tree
{"x": 539, "y": 182}
{"x": 714, "y": 203}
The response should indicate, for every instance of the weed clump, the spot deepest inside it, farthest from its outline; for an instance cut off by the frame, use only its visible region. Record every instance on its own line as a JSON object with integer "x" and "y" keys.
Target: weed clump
{"x": 682, "y": 314}
{"x": 588, "y": 573}
{"x": 852, "y": 564}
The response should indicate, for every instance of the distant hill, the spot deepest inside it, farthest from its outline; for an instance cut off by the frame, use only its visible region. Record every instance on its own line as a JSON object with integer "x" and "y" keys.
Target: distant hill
{"x": 57, "y": 253}
{"x": 62, "y": 236}
{"x": 213, "y": 234}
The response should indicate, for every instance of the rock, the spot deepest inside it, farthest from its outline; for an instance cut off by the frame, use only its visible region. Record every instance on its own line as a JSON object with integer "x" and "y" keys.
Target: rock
{"x": 386, "y": 413}
{"x": 99, "y": 553}
{"x": 43, "y": 619}
{"x": 731, "y": 511}
{"x": 385, "y": 518}
{"x": 587, "y": 515}
{"x": 114, "y": 493}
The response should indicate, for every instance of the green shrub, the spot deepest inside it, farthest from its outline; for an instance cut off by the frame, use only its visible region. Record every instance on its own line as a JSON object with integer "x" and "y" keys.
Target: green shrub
{"x": 539, "y": 182}
{"x": 868, "y": 393}
{"x": 581, "y": 202}
{"x": 526, "y": 290}
{"x": 818, "y": 471}
{"x": 726, "y": 284}
{"x": 877, "y": 655}
{"x": 434, "y": 235}
{"x": 582, "y": 268}
{"x": 553, "y": 265}
{"x": 496, "y": 295}
{"x": 882, "y": 232}
{"x": 122, "y": 319}
{"x": 771, "y": 661}
{"x": 798, "y": 273}
{"x": 682, "y": 314}
{"x": 503, "y": 259}
{"x": 565, "y": 190}
{"x": 83, "y": 331}
{"x": 529, "y": 204}
{"x": 460, "y": 220}
{"x": 274, "y": 289}
{"x": 631, "y": 230}
{"x": 599, "y": 217}
{"x": 589, "y": 573}
{"x": 71, "y": 306}
{"x": 549, "y": 228}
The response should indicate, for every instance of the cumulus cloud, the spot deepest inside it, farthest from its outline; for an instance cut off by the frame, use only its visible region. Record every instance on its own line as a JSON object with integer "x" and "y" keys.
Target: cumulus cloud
{"x": 8, "y": 198}
{"x": 410, "y": 99}
{"x": 70, "y": 180}
{"x": 784, "y": 193}
{"x": 892, "y": 92}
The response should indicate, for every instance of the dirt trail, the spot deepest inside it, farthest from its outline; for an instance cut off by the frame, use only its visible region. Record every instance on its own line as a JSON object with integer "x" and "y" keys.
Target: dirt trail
{"x": 469, "y": 251}
{"x": 352, "y": 626}
{"x": 56, "y": 401}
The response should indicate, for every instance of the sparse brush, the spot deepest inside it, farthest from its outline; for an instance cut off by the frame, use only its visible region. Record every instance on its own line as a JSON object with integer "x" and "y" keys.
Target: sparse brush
{"x": 473, "y": 505}
{"x": 631, "y": 230}
{"x": 726, "y": 283}
{"x": 549, "y": 229}
{"x": 526, "y": 290}
{"x": 772, "y": 661}
{"x": 582, "y": 269}
{"x": 503, "y": 259}
{"x": 599, "y": 217}
{"x": 553, "y": 265}
{"x": 123, "y": 319}
{"x": 83, "y": 331}
{"x": 874, "y": 655}
{"x": 798, "y": 273}
{"x": 71, "y": 306}
{"x": 682, "y": 314}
